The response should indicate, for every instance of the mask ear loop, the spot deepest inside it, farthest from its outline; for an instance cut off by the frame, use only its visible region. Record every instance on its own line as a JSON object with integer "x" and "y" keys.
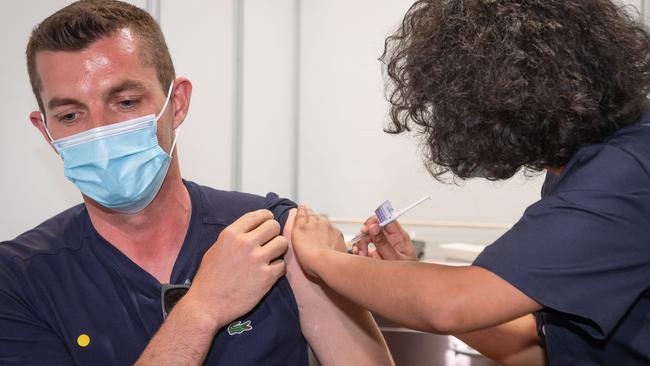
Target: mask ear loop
{"x": 177, "y": 130}
{"x": 45, "y": 126}
{"x": 169, "y": 95}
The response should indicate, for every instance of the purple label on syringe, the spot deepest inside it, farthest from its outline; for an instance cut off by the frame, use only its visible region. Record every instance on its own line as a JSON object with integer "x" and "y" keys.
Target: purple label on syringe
{"x": 384, "y": 211}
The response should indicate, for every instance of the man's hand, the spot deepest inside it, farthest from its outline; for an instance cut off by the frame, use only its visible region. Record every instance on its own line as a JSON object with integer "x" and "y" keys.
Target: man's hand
{"x": 239, "y": 268}
{"x": 235, "y": 273}
{"x": 311, "y": 235}
{"x": 392, "y": 242}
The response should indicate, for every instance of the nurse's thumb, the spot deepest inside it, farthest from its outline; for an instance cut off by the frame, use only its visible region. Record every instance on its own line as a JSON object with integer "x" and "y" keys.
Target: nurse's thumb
{"x": 384, "y": 247}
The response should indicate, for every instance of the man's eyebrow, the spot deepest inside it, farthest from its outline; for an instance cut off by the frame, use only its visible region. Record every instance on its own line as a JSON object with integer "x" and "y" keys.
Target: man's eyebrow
{"x": 58, "y": 102}
{"x": 128, "y": 85}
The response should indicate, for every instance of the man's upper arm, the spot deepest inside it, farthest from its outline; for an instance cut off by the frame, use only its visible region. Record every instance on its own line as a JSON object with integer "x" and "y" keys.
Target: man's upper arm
{"x": 338, "y": 331}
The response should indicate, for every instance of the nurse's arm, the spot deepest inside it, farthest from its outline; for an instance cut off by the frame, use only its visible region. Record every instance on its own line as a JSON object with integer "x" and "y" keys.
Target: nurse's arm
{"x": 510, "y": 344}
{"x": 439, "y": 299}
{"x": 428, "y": 297}
{"x": 424, "y": 296}
{"x": 513, "y": 343}
{"x": 338, "y": 331}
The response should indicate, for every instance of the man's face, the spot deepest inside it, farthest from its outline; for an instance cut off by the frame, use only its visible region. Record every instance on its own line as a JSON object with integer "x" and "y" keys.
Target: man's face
{"x": 103, "y": 84}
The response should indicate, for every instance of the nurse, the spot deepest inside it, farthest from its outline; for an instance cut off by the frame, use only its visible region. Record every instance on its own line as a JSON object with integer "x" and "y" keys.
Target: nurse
{"x": 494, "y": 87}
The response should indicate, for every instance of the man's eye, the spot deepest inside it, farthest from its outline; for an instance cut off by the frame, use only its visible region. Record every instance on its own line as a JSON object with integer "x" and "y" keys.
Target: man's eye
{"x": 68, "y": 117}
{"x": 128, "y": 103}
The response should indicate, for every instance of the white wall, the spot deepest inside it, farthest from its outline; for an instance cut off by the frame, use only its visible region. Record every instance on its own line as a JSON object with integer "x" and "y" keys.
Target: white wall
{"x": 199, "y": 37}
{"x": 346, "y": 164}
{"x": 268, "y": 96}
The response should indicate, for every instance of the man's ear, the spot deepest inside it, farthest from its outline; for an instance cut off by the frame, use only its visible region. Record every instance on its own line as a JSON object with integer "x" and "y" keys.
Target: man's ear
{"x": 181, "y": 96}
{"x": 37, "y": 121}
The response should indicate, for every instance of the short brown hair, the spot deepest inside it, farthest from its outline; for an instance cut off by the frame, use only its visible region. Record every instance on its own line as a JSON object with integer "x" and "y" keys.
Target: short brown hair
{"x": 78, "y": 25}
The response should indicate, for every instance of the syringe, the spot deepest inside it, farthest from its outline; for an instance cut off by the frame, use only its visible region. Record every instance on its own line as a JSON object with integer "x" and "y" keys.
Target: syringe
{"x": 385, "y": 216}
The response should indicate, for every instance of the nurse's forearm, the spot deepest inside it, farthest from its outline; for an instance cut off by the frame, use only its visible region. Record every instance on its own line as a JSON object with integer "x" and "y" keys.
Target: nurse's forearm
{"x": 389, "y": 289}
{"x": 423, "y": 296}
{"x": 510, "y": 344}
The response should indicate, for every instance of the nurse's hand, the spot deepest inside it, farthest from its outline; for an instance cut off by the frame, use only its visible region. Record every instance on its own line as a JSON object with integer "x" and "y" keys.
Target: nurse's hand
{"x": 392, "y": 242}
{"x": 312, "y": 234}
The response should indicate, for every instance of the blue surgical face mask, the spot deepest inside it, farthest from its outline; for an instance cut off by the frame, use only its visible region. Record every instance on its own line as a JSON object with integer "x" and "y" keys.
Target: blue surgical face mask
{"x": 121, "y": 166}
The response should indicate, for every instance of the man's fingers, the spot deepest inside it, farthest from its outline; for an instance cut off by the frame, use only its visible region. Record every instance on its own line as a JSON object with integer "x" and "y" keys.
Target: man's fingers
{"x": 278, "y": 268}
{"x": 384, "y": 247}
{"x": 251, "y": 220}
{"x": 264, "y": 233}
{"x": 275, "y": 248}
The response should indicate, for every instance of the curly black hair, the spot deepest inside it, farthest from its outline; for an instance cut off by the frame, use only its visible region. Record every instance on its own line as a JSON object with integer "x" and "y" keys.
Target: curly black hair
{"x": 496, "y": 85}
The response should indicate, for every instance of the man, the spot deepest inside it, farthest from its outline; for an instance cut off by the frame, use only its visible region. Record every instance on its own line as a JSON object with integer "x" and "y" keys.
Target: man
{"x": 494, "y": 87}
{"x": 90, "y": 285}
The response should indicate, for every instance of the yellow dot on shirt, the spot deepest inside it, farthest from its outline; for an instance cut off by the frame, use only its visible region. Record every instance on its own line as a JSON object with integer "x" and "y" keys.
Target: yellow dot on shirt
{"x": 83, "y": 340}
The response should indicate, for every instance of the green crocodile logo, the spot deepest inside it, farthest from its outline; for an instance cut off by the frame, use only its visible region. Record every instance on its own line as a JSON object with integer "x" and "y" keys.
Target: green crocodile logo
{"x": 238, "y": 327}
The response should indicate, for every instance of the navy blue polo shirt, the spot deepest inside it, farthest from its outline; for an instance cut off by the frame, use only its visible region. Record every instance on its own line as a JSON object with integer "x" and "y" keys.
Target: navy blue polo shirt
{"x": 67, "y": 296}
{"x": 583, "y": 252}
